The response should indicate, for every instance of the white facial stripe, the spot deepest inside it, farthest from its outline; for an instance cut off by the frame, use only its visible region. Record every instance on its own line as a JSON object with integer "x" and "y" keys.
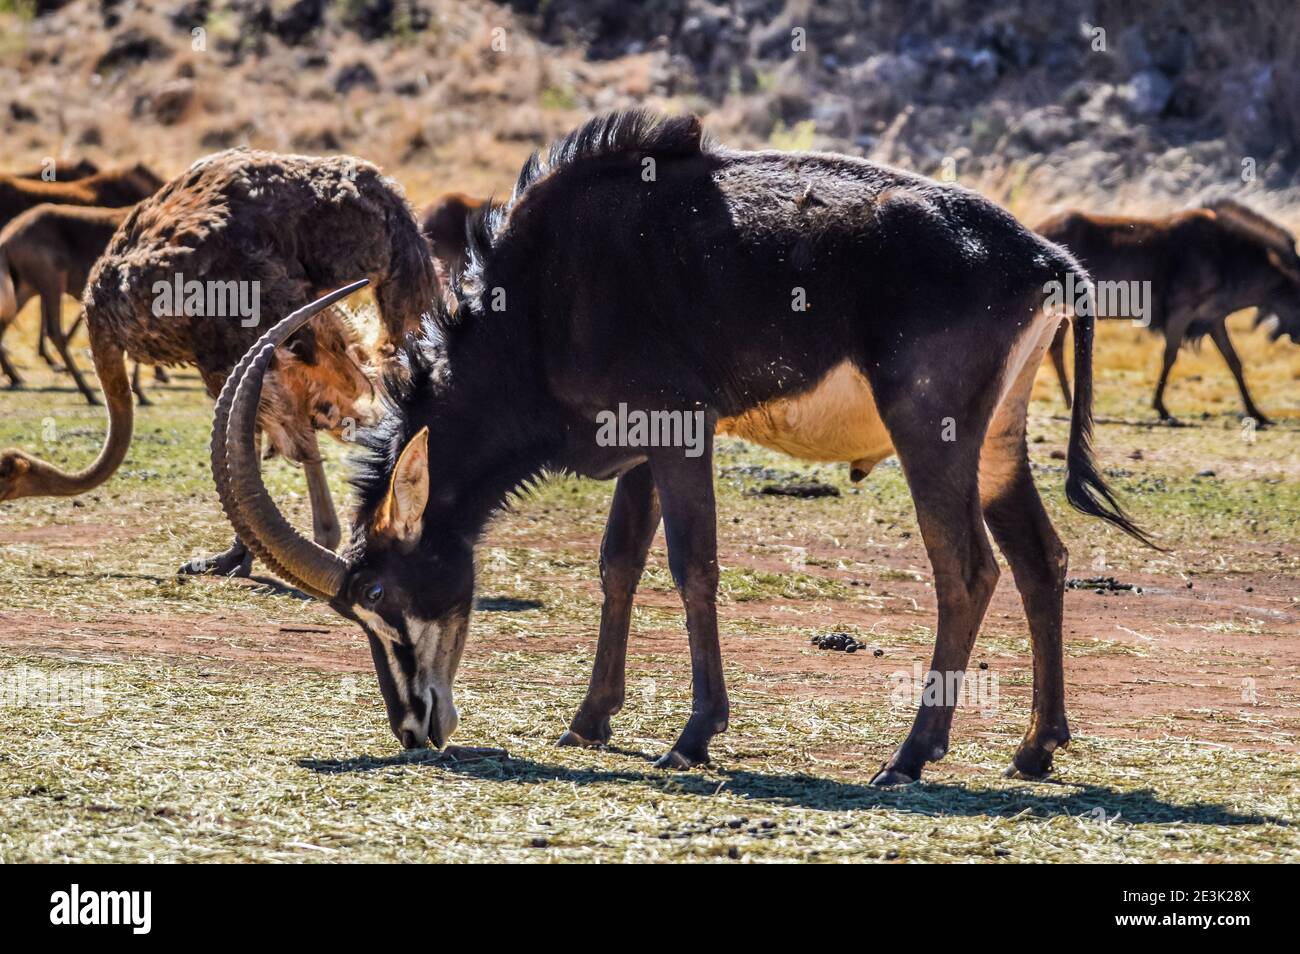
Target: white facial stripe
{"x": 436, "y": 661}
{"x": 390, "y": 638}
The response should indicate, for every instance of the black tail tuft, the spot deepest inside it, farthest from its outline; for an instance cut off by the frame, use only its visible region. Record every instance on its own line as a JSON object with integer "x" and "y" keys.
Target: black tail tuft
{"x": 1084, "y": 487}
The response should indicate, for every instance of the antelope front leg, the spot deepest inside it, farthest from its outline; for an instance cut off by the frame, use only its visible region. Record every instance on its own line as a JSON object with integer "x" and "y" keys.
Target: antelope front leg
{"x": 685, "y": 486}
{"x": 138, "y": 388}
{"x": 1219, "y": 334}
{"x": 15, "y": 379}
{"x": 42, "y": 351}
{"x": 50, "y": 300}
{"x": 633, "y": 520}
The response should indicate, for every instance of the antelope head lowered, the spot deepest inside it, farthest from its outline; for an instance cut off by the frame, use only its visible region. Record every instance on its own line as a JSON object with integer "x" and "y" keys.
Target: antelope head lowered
{"x": 416, "y": 620}
{"x": 1278, "y": 281}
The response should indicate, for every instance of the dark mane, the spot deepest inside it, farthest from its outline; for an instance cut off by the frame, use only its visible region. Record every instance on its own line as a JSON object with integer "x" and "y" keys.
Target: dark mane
{"x": 632, "y": 132}
{"x": 418, "y": 372}
{"x": 1249, "y": 224}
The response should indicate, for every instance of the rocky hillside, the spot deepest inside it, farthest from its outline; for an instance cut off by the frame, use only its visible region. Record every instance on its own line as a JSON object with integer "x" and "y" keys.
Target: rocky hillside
{"x": 1055, "y": 97}
{"x": 1116, "y": 105}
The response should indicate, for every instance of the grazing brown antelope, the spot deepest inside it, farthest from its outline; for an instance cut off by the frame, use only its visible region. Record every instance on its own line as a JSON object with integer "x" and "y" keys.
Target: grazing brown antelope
{"x": 1201, "y": 266}
{"x": 640, "y": 267}
{"x": 199, "y": 270}
{"x": 49, "y": 251}
{"x": 114, "y": 188}
{"x": 111, "y": 189}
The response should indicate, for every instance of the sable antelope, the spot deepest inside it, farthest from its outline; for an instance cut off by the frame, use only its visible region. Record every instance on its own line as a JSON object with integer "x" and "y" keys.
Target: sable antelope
{"x": 49, "y": 251}
{"x": 1202, "y": 265}
{"x": 642, "y": 266}
{"x": 444, "y": 224}
{"x": 112, "y": 189}
{"x": 274, "y": 230}
{"x": 62, "y": 171}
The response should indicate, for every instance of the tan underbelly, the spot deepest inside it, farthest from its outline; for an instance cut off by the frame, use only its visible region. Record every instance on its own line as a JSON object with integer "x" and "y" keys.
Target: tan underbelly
{"x": 836, "y": 421}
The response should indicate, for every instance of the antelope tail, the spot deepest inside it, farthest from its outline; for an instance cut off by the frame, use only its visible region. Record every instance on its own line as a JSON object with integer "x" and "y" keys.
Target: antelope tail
{"x": 1085, "y": 488}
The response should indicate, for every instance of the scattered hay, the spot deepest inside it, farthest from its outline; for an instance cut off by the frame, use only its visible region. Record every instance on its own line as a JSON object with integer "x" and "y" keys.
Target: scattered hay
{"x": 186, "y": 764}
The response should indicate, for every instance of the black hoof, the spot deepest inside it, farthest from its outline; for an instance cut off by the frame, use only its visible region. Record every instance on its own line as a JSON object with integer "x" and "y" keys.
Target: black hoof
{"x": 571, "y": 739}
{"x": 1033, "y": 760}
{"x": 677, "y": 759}
{"x": 888, "y": 777}
{"x": 1031, "y": 764}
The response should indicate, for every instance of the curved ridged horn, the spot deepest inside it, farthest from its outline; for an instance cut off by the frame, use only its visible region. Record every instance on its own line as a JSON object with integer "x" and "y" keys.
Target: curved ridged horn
{"x": 221, "y": 474}
{"x": 245, "y": 498}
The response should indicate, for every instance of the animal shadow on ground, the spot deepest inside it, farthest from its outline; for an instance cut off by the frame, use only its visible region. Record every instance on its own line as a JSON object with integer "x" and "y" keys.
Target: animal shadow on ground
{"x": 824, "y": 794}
{"x": 504, "y": 604}
{"x": 1208, "y": 421}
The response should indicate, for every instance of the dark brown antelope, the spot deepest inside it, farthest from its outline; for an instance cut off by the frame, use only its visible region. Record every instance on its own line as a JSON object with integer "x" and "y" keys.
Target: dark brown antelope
{"x": 49, "y": 251}
{"x": 1201, "y": 266}
{"x": 112, "y": 188}
{"x": 641, "y": 267}
{"x": 197, "y": 272}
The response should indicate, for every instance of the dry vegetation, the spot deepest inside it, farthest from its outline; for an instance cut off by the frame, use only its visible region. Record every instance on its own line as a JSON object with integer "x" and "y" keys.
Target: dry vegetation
{"x": 241, "y": 722}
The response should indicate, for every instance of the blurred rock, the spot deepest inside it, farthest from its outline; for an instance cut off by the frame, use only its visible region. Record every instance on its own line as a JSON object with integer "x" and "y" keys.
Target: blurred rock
{"x": 299, "y": 21}
{"x": 130, "y": 48}
{"x": 170, "y": 103}
{"x": 355, "y": 75}
{"x": 1147, "y": 93}
{"x": 1045, "y": 129}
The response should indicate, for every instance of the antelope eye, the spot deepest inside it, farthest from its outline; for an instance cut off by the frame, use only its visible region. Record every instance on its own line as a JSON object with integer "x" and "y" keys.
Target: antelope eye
{"x": 374, "y": 593}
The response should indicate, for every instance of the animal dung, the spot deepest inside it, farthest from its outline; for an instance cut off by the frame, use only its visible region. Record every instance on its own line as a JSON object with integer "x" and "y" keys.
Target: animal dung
{"x": 1102, "y": 584}
{"x": 806, "y": 489}
{"x": 840, "y": 642}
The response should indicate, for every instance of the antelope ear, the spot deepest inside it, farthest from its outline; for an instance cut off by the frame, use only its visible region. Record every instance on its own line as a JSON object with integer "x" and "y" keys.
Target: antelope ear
{"x": 401, "y": 515}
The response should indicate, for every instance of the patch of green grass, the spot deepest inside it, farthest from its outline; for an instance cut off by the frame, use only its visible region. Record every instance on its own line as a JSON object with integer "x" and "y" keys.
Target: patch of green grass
{"x": 797, "y": 138}
{"x": 558, "y": 98}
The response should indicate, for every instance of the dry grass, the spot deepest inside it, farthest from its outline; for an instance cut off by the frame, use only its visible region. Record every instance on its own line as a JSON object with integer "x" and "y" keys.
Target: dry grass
{"x": 188, "y": 764}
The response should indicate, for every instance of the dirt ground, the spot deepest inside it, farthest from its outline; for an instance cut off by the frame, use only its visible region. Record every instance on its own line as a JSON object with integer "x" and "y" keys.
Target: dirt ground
{"x": 242, "y": 721}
